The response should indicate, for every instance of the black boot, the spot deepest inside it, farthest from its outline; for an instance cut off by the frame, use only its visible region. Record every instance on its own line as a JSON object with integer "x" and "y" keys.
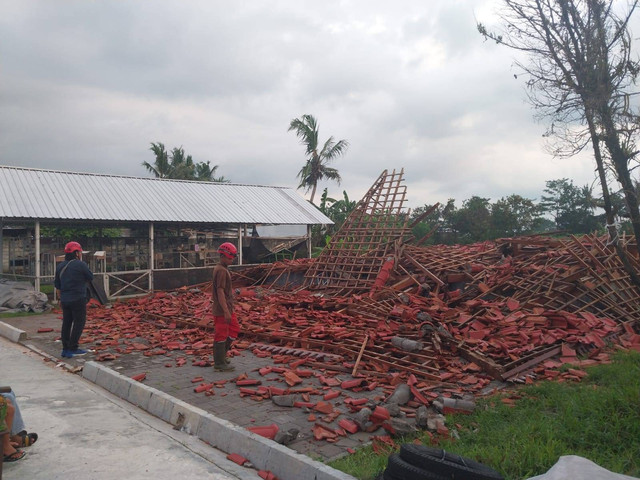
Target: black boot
{"x": 219, "y": 350}
{"x": 227, "y": 346}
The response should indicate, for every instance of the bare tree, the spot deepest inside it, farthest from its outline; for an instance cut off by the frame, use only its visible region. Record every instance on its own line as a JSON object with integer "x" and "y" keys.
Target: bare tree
{"x": 580, "y": 76}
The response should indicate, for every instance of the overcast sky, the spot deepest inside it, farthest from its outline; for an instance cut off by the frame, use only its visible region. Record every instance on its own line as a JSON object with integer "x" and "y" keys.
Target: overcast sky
{"x": 88, "y": 85}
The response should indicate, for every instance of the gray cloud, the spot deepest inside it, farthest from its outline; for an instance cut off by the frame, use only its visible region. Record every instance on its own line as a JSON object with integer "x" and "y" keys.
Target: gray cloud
{"x": 88, "y": 85}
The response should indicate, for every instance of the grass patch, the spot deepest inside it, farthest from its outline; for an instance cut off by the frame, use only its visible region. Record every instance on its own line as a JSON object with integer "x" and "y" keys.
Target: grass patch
{"x": 365, "y": 464}
{"x": 598, "y": 418}
{"x": 18, "y": 314}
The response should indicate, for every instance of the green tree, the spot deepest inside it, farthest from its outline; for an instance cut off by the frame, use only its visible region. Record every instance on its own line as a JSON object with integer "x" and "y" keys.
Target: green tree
{"x": 581, "y": 76}
{"x": 325, "y": 202}
{"x": 341, "y": 209}
{"x": 423, "y": 223}
{"x": 320, "y": 234}
{"x": 316, "y": 167}
{"x": 433, "y": 224}
{"x": 514, "y": 215}
{"x": 473, "y": 220}
{"x": 179, "y": 166}
{"x": 161, "y": 167}
{"x": 204, "y": 172}
{"x": 182, "y": 167}
{"x": 571, "y": 207}
{"x": 543, "y": 225}
{"x": 337, "y": 211}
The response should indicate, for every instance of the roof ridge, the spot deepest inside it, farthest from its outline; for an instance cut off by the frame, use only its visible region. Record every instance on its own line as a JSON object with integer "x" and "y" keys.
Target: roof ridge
{"x": 68, "y": 172}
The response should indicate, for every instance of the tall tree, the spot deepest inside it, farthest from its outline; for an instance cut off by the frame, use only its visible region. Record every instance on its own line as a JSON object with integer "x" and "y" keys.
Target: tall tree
{"x": 580, "y": 77}
{"x": 473, "y": 220}
{"x": 204, "y": 172}
{"x": 514, "y": 215}
{"x": 161, "y": 167}
{"x": 571, "y": 207}
{"x": 178, "y": 166}
{"x": 341, "y": 209}
{"x": 182, "y": 167}
{"x": 433, "y": 224}
{"x": 316, "y": 167}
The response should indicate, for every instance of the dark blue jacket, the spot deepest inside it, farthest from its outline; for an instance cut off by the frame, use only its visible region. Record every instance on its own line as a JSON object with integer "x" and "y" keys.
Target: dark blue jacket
{"x": 72, "y": 283}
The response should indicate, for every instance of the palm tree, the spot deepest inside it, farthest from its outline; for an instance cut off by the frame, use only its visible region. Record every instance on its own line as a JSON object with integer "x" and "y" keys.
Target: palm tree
{"x": 180, "y": 167}
{"x": 161, "y": 168}
{"x": 206, "y": 173}
{"x": 317, "y": 166}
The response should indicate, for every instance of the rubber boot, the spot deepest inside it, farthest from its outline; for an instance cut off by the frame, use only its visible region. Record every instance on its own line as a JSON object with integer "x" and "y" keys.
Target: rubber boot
{"x": 228, "y": 343}
{"x": 219, "y": 349}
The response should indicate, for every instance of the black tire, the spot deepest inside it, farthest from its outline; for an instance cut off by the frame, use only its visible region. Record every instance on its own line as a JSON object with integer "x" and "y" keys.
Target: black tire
{"x": 449, "y": 465}
{"x": 387, "y": 476}
{"x": 398, "y": 469}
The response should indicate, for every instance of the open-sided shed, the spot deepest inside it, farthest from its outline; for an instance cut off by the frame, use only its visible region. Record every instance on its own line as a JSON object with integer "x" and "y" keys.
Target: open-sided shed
{"x": 32, "y": 199}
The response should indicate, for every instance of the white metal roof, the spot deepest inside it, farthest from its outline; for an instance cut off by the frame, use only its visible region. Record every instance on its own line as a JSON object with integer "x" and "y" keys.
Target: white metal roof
{"x": 27, "y": 193}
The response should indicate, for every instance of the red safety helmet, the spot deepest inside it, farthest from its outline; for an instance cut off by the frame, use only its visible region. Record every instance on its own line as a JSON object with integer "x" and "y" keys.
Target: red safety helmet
{"x": 229, "y": 250}
{"x": 72, "y": 247}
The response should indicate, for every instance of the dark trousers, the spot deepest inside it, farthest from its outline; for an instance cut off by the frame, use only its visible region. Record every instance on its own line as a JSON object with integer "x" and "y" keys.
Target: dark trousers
{"x": 74, "y": 316}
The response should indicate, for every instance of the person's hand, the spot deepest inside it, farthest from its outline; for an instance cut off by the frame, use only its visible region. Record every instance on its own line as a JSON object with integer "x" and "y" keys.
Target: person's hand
{"x": 227, "y": 317}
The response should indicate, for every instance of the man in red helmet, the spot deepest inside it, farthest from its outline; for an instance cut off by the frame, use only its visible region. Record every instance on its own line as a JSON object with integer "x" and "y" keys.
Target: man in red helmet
{"x": 225, "y": 321}
{"x": 71, "y": 280}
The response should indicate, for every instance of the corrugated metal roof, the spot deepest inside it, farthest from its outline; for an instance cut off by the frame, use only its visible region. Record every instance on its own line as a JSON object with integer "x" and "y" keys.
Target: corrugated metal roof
{"x": 53, "y": 195}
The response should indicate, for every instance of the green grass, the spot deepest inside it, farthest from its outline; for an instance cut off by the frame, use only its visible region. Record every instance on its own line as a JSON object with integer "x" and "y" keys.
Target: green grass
{"x": 18, "y": 314}
{"x": 364, "y": 464}
{"x": 598, "y": 418}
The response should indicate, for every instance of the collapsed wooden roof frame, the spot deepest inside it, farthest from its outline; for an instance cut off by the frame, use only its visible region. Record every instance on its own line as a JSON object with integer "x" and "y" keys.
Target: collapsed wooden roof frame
{"x": 355, "y": 254}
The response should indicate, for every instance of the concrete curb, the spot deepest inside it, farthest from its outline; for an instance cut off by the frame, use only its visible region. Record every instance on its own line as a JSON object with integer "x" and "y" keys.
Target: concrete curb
{"x": 263, "y": 453}
{"x": 12, "y": 333}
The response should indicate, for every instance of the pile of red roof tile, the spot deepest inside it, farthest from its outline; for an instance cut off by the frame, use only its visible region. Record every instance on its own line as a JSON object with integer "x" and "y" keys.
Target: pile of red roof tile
{"x": 503, "y": 315}
{"x": 444, "y": 323}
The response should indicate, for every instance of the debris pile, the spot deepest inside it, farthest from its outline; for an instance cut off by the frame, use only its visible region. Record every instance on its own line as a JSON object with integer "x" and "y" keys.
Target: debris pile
{"x": 426, "y": 326}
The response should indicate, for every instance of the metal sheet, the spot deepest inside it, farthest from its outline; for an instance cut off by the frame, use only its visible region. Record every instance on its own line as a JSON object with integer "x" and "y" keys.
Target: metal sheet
{"x": 52, "y": 195}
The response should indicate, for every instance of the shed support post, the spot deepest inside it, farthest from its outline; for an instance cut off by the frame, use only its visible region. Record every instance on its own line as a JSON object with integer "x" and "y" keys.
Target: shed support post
{"x": 37, "y": 259}
{"x": 239, "y": 244}
{"x": 151, "y": 257}
{"x": 309, "y": 241}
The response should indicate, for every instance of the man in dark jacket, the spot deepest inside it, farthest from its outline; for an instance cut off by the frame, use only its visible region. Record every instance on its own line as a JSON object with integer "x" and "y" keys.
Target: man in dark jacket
{"x": 71, "y": 280}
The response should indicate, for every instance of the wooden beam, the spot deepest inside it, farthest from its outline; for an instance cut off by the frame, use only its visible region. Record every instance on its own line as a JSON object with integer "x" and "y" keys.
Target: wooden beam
{"x": 364, "y": 344}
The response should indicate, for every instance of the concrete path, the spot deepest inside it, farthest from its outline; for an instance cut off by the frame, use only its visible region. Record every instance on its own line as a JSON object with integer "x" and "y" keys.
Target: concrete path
{"x": 42, "y": 333}
{"x": 89, "y": 434}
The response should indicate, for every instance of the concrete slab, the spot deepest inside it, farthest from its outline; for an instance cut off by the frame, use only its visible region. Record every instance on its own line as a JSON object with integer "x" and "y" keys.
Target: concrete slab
{"x": 85, "y": 432}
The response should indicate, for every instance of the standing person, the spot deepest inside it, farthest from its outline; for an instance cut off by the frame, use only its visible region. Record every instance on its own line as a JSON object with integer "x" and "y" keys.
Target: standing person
{"x": 71, "y": 280}
{"x": 225, "y": 321}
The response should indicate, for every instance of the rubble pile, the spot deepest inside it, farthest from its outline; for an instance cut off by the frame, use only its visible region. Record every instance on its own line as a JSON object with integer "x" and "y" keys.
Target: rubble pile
{"x": 428, "y": 326}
